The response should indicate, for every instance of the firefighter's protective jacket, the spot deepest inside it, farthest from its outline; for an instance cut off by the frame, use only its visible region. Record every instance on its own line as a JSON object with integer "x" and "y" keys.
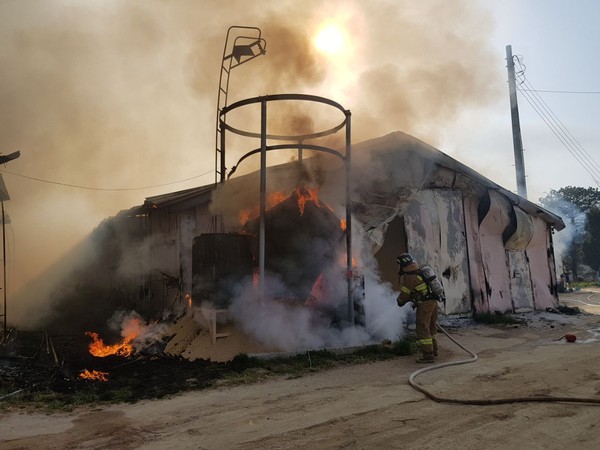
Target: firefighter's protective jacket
{"x": 413, "y": 287}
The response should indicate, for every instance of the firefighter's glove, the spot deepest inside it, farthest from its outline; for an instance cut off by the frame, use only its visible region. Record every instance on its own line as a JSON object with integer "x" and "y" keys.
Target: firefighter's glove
{"x": 400, "y": 302}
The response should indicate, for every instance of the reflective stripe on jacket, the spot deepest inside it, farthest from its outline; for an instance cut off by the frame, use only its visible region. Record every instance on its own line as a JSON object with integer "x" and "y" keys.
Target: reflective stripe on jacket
{"x": 412, "y": 288}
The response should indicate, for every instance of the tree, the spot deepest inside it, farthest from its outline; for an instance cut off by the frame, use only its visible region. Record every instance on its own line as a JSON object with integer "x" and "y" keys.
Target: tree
{"x": 591, "y": 249}
{"x": 571, "y": 201}
{"x": 574, "y": 203}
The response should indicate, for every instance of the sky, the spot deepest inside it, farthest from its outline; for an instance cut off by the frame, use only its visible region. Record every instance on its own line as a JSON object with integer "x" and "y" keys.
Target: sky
{"x": 106, "y": 98}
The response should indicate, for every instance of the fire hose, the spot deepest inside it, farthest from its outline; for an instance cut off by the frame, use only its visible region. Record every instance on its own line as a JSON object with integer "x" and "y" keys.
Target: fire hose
{"x": 497, "y": 401}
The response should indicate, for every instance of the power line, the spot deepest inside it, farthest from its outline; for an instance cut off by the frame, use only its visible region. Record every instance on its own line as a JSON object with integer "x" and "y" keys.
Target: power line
{"x": 563, "y": 92}
{"x": 556, "y": 125}
{"x": 563, "y": 136}
{"x": 103, "y": 189}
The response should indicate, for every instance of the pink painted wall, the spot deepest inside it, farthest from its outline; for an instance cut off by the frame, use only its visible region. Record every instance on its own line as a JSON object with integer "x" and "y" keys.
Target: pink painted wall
{"x": 436, "y": 237}
{"x": 520, "y": 281}
{"x": 480, "y": 298}
{"x": 497, "y": 282}
{"x": 542, "y": 268}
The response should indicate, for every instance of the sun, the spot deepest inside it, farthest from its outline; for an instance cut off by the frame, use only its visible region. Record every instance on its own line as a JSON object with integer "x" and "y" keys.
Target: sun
{"x": 330, "y": 39}
{"x": 336, "y": 48}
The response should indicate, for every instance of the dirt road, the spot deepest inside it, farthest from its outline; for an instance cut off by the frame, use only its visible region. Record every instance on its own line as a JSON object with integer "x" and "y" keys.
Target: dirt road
{"x": 368, "y": 406}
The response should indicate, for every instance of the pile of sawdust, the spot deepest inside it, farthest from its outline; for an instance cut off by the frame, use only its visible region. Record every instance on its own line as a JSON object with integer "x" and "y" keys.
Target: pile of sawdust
{"x": 192, "y": 339}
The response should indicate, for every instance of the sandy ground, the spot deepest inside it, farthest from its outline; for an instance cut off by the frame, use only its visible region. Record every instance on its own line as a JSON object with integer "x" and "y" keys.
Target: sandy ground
{"x": 370, "y": 405}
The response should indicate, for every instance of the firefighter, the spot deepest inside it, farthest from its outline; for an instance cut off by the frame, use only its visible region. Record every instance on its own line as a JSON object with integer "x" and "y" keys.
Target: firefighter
{"x": 413, "y": 288}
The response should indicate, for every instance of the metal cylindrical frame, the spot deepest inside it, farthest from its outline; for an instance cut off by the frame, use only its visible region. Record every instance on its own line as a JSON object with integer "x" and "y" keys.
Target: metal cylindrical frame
{"x": 300, "y": 145}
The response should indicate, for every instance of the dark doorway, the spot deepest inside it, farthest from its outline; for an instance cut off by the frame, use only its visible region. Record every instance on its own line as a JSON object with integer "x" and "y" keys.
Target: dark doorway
{"x": 394, "y": 243}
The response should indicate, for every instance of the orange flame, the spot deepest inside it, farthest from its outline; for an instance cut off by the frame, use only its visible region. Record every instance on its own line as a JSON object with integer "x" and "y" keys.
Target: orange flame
{"x": 93, "y": 375}
{"x": 245, "y": 215}
{"x": 188, "y": 297}
{"x": 306, "y": 195}
{"x": 255, "y": 278}
{"x": 273, "y": 199}
{"x": 99, "y": 349}
{"x": 343, "y": 260}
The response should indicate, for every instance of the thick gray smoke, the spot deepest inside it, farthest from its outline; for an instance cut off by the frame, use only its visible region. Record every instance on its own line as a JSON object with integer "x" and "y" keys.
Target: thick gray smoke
{"x": 106, "y": 94}
{"x": 276, "y": 322}
{"x": 283, "y": 320}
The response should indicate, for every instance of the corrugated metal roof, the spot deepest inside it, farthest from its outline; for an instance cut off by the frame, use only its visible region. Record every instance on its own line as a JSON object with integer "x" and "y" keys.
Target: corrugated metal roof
{"x": 181, "y": 199}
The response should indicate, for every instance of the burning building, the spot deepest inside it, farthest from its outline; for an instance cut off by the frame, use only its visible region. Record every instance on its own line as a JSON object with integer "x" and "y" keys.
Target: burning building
{"x": 491, "y": 248}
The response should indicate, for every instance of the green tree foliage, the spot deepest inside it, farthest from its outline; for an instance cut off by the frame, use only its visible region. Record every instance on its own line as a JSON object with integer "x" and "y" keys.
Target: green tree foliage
{"x": 571, "y": 201}
{"x": 591, "y": 248}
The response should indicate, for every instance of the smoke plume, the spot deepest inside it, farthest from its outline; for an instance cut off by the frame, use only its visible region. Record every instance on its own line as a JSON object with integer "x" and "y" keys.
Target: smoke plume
{"x": 104, "y": 96}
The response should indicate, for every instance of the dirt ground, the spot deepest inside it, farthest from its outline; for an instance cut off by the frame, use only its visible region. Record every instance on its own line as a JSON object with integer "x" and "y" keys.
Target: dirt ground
{"x": 370, "y": 405}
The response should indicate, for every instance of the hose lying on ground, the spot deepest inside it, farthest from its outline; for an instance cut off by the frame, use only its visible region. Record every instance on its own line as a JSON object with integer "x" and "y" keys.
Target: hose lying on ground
{"x": 11, "y": 394}
{"x": 498, "y": 401}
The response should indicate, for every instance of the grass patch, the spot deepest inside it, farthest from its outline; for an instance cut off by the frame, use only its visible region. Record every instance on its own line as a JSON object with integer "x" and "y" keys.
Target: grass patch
{"x": 160, "y": 377}
{"x": 496, "y": 318}
{"x": 583, "y": 284}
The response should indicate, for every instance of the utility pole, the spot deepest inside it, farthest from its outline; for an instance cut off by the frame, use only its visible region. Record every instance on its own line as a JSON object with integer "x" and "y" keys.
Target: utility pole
{"x": 3, "y": 197}
{"x": 516, "y": 125}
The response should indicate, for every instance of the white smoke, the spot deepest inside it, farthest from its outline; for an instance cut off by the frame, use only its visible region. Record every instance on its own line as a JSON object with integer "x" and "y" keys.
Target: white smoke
{"x": 130, "y": 323}
{"x": 275, "y": 321}
{"x": 384, "y": 319}
{"x": 289, "y": 326}
{"x": 574, "y": 228}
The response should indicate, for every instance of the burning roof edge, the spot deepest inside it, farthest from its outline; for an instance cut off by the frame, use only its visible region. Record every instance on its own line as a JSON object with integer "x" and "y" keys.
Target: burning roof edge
{"x": 391, "y": 142}
{"x": 398, "y": 139}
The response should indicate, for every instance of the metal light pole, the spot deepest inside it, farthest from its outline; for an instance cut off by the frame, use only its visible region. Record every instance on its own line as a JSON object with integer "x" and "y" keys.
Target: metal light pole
{"x": 3, "y": 197}
{"x": 247, "y": 45}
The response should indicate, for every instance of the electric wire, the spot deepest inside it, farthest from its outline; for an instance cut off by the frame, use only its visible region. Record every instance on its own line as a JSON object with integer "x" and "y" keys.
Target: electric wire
{"x": 484, "y": 402}
{"x": 563, "y": 92}
{"x": 555, "y": 124}
{"x": 563, "y": 139}
{"x": 103, "y": 189}
{"x": 569, "y": 136}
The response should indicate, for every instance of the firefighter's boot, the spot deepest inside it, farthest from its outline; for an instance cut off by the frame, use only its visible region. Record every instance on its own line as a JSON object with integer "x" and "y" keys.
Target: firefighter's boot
{"x": 435, "y": 347}
{"x": 426, "y": 358}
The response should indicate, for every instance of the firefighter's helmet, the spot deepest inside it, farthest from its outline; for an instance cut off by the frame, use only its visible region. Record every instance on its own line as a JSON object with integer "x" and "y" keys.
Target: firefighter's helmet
{"x": 407, "y": 263}
{"x": 404, "y": 260}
